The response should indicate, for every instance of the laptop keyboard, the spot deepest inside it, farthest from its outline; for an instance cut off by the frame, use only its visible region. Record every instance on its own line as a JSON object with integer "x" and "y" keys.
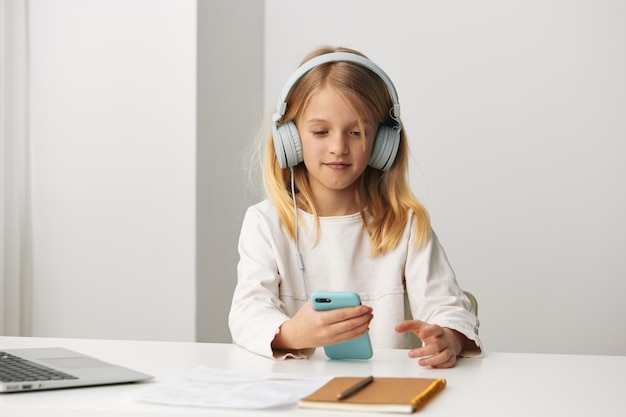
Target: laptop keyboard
{"x": 16, "y": 369}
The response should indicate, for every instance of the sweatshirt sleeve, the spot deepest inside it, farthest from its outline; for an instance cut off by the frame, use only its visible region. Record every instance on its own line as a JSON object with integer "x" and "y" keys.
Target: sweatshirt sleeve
{"x": 257, "y": 312}
{"x": 435, "y": 296}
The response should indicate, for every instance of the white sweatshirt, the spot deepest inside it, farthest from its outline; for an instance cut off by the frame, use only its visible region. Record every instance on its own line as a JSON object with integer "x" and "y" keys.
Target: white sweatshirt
{"x": 271, "y": 288}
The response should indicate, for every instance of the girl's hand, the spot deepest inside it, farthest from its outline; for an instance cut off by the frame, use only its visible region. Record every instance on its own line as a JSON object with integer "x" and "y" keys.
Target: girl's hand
{"x": 441, "y": 345}
{"x": 310, "y": 328}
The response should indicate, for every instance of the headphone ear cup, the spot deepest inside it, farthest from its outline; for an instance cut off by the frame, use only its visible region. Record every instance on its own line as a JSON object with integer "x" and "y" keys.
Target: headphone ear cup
{"x": 287, "y": 145}
{"x": 385, "y": 147}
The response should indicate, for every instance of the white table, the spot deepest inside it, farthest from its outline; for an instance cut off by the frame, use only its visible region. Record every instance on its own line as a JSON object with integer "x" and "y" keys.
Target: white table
{"x": 500, "y": 384}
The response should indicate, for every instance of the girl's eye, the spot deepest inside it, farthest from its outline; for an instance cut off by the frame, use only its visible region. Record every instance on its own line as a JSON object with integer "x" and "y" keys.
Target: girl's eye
{"x": 355, "y": 133}
{"x": 320, "y": 132}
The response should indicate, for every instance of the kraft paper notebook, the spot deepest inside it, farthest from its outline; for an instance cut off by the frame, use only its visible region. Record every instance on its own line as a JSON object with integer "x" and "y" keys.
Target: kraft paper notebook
{"x": 393, "y": 395}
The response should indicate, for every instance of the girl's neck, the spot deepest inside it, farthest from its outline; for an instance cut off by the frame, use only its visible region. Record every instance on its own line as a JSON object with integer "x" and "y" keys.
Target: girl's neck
{"x": 336, "y": 204}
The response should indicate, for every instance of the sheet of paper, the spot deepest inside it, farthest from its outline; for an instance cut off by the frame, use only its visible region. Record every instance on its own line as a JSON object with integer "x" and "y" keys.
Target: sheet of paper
{"x": 218, "y": 388}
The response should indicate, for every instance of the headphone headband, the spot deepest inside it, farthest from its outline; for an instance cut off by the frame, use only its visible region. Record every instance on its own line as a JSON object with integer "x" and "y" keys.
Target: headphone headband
{"x": 281, "y": 107}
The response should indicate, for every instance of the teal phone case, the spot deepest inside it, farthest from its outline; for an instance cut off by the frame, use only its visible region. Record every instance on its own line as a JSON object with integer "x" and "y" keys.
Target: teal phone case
{"x": 359, "y": 348}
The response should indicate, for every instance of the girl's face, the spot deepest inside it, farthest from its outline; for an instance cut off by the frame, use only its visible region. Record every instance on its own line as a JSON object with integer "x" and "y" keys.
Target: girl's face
{"x": 335, "y": 150}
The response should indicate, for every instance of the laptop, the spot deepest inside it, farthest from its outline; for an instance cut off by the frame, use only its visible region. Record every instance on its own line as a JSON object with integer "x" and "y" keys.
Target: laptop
{"x": 33, "y": 369}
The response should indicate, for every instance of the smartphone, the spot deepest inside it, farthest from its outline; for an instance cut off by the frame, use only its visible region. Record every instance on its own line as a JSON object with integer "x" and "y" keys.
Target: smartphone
{"x": 359, "y": 348}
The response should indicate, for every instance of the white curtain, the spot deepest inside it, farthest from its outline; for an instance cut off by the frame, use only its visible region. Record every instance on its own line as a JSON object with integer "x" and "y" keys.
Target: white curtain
{"x": 15, "y": 228}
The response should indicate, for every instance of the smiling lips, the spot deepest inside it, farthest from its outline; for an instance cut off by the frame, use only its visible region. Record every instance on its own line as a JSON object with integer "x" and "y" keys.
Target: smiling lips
{"x": 337, "y": 165}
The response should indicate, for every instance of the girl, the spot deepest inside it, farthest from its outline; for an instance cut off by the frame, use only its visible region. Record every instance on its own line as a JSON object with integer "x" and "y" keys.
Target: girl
{"x": 341, "y": 217}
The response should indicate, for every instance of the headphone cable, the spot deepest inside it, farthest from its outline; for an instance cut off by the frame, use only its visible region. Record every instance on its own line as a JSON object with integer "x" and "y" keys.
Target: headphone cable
{"x": 295, "y": 209}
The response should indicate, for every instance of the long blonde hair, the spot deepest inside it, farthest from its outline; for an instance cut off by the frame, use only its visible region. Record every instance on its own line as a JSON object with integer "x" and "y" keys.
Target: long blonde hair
{"x": 385, "y": 197}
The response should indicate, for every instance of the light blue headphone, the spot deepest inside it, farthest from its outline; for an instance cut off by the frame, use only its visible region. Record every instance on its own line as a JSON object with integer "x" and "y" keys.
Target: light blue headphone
{"x": 287, "y": 140}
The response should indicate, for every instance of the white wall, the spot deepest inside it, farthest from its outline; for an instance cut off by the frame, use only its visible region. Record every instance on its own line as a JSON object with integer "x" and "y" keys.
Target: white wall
{"x": 515, "y": 112}
{"x": 112, "y": 112}
{"x": 514, "y": 109}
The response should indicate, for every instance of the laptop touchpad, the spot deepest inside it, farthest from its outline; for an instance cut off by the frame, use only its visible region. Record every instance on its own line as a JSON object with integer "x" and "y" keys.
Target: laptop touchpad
{"x": 74, "y": 363}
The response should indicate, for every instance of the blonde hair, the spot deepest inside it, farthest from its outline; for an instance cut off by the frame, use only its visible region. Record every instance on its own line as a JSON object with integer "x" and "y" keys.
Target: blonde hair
{"x": 385, "y": 197}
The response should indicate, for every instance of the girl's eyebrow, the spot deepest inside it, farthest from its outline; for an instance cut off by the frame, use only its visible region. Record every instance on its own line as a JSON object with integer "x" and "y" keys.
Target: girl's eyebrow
{"x": 317, "y": 120}
{"x": 320, "y": 120}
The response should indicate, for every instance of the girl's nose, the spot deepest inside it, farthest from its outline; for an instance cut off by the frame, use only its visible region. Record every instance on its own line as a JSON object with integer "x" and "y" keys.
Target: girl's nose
{"x": 338, "y": 143}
